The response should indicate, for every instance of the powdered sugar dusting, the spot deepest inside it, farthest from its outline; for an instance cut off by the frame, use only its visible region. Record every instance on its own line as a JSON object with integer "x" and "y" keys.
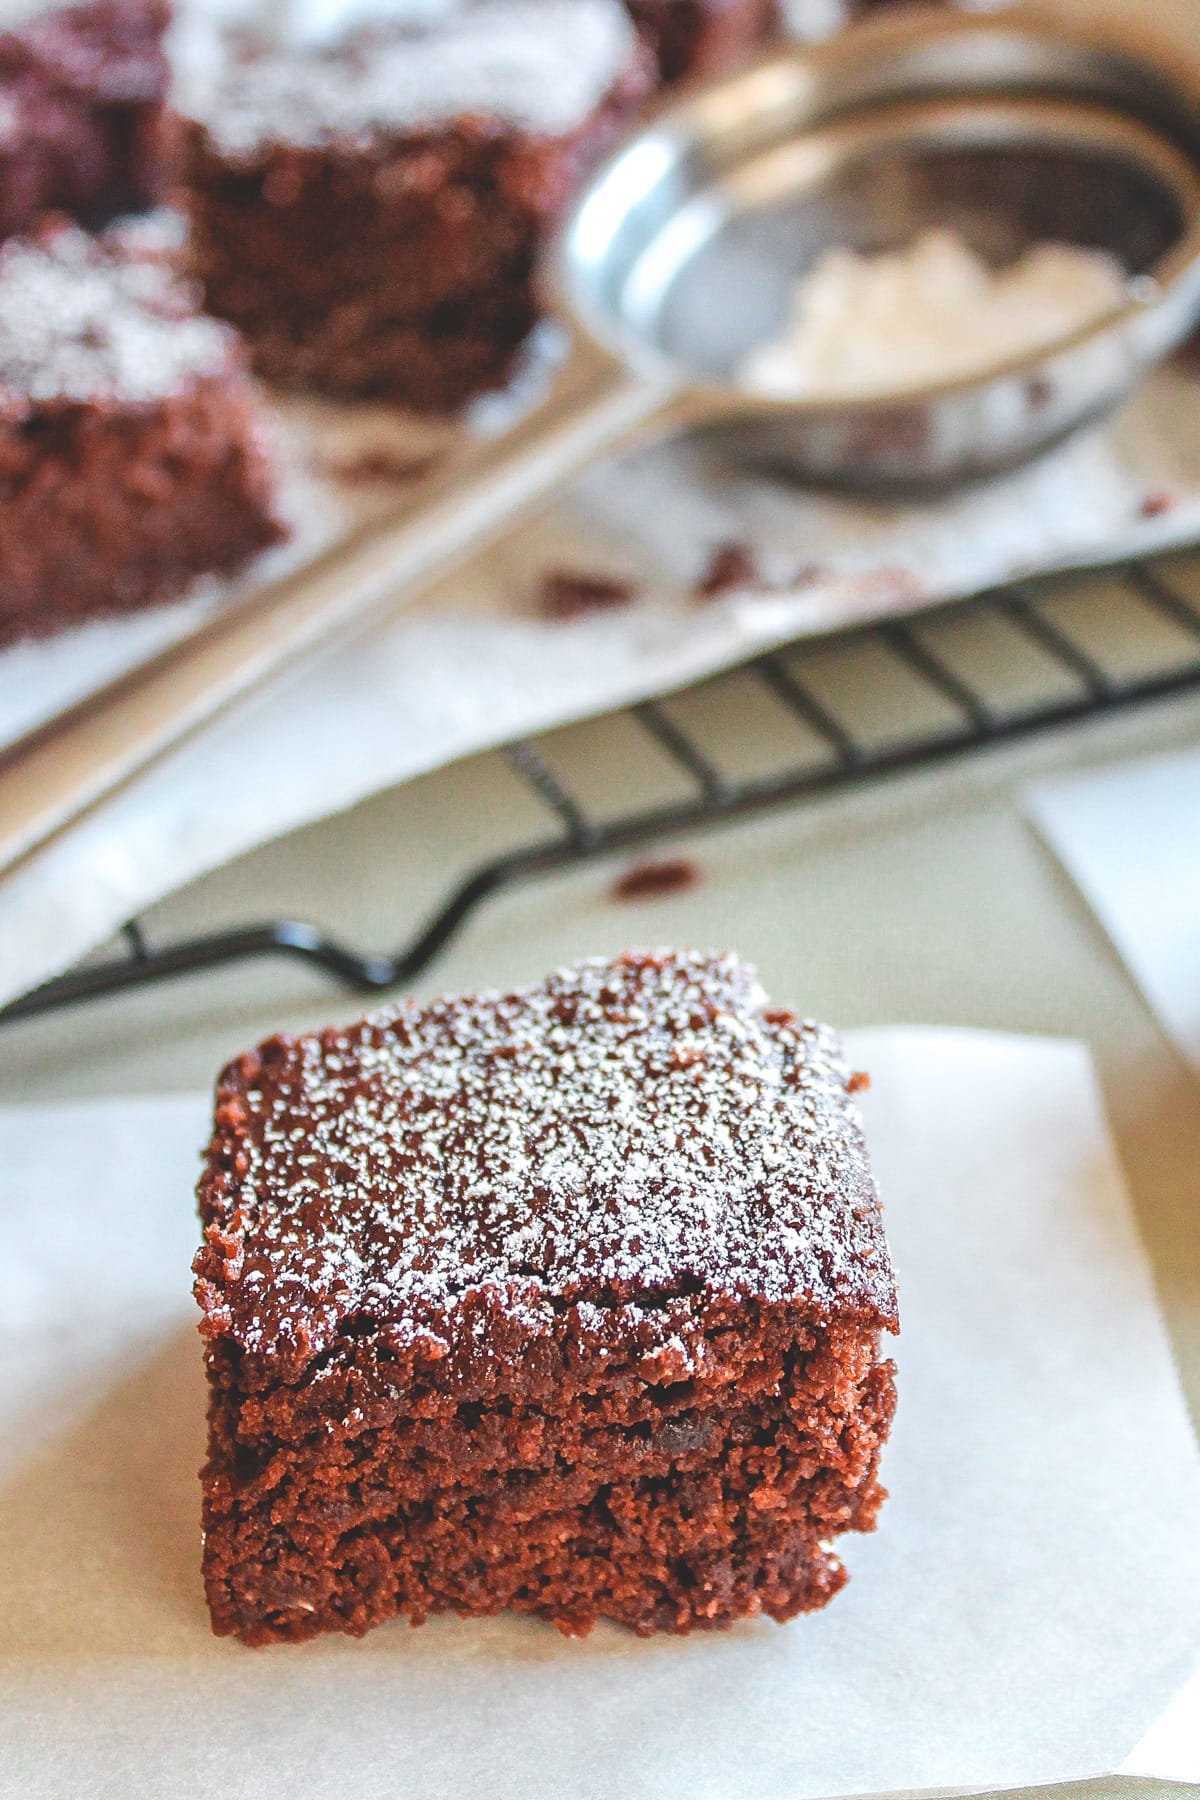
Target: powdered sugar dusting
{"x": 540, "y": 65}
{"x": 624, "y": 1129}
{"x": 83, "y": 320}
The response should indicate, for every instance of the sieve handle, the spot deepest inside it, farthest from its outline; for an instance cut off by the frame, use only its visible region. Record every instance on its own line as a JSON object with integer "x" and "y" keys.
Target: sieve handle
{"x": 56, "y": 774}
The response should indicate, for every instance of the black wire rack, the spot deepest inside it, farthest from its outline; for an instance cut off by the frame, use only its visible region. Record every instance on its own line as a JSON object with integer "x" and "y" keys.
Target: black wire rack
{"x": 971, "y": 719}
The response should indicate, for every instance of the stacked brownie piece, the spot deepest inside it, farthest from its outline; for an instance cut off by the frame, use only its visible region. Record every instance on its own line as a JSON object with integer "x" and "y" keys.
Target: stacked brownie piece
{"x": 82, "y": 110}
{"x": 130, "y": 457}
{"x": 566, "y": 1301}
{"x": 369, "y": 215}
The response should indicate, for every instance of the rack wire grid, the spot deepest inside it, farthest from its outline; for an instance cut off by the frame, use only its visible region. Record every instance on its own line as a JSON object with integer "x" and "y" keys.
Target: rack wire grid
{"x": 1086, "y": 685}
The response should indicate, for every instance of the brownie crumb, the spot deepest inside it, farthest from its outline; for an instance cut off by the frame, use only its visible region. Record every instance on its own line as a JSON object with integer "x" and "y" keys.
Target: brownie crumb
{"x": 572, "y": 593}
{"x": 1039, "y": 392}
{"x": 807, "y": 575}
{"x": 732, "y": 564}
{"x": 378, "y": 465}
{"x": 733, "y": 567}
{"x": 654, "y": 877}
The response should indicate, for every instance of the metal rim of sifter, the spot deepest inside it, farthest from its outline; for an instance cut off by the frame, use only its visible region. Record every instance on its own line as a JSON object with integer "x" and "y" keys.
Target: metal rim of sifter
{"x": 911, "y": 101}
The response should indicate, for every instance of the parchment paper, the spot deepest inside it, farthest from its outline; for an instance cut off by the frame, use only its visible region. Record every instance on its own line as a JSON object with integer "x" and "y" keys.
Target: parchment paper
{"x": 1027, "y": 1611}
{"x": 1129, "y": 837}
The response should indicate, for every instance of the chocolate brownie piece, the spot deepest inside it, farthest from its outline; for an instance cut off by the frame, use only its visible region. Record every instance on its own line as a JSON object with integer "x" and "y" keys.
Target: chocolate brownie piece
{"x": 369, "y": 214}
{"x": 565, "y": 1301}
{"x": 130, "y": 458}
{"x": 693, "y": 38}
{"x": 82, "y": 111}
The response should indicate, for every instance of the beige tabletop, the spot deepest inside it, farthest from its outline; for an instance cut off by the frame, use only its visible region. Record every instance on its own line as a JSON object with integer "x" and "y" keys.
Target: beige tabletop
{"x": 927, "y": 899}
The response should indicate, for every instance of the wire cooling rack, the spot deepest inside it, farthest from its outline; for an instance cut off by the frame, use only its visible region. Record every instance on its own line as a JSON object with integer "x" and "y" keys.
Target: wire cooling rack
{"x": 1085, "y": 682}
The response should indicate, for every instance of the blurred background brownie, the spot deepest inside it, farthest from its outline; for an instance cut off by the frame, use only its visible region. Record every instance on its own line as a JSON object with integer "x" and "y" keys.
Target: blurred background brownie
{"x": 702, "y": 37}
{"x": 369, "y": 214}
{"x": 130, "y": 457}
{"x": 82, "y": 110}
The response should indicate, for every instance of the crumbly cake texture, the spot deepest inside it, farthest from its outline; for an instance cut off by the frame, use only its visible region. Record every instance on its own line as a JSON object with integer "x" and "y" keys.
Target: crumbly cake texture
{"x": 565, "y": 1301}
{"x": 130, "y": 457}
{"x": 83, "y": 125}
{"x": 369, "y": 214}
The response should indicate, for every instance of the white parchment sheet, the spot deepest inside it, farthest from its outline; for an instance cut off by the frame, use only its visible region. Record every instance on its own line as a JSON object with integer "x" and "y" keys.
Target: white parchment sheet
{"x": 1028, "y": 1610}
{"x": 1129, "y": 837}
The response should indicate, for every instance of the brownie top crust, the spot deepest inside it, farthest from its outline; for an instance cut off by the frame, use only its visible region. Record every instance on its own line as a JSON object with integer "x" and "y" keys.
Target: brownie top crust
{"x": 110, "y": 50}
{"x": 541, "y": 66}
{"x": 86, "y": 321}
{"x": 625, "y": 1129}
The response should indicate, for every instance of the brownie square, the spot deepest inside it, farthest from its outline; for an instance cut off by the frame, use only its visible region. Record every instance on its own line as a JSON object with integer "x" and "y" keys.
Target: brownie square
{"x": 82, "y": 111}
{"x": 565, "y": 1301}
{"x": 369, "y": 214}
{"x": 130, "y": 456}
